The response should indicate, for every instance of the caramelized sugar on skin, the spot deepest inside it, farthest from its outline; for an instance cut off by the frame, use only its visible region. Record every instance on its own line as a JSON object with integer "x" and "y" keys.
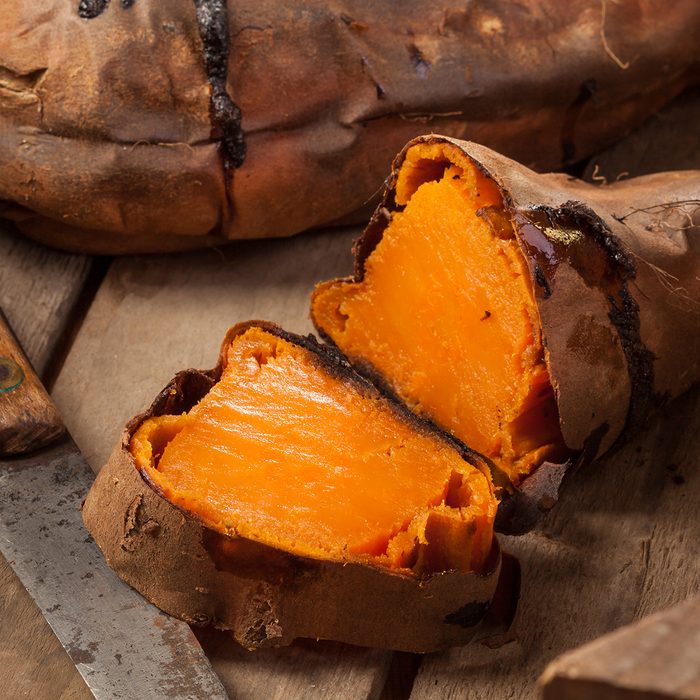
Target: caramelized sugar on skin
{"x": 445, "y": 314}
{"x": 284, "y": 452}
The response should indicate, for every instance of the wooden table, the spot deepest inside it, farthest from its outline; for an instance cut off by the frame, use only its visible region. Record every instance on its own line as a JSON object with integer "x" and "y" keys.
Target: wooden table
{"x": 107, "y": 334}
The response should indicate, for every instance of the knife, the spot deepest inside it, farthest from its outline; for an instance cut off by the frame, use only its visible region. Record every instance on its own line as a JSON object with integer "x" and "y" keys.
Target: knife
{"x": 123, "y": 646}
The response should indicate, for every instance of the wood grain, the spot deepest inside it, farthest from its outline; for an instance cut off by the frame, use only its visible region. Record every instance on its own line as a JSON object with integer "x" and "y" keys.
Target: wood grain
{"x": 656, "y": 658}
{"x": 28, "y": 418}
{"x": 38, "y": 291}
{"x": 154, "y": 316}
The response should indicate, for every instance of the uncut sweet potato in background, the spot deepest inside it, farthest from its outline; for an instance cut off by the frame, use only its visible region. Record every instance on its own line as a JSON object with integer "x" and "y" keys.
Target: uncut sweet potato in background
{"x": 179, "y": 124}
{"x": 615, "y": 274}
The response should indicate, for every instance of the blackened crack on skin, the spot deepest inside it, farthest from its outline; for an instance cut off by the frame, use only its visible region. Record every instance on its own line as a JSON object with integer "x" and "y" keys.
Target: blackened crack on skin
{"x": 89, "y": 9}
{"x": 568, "y": 141}
{"x": 468, "y": 615}
{"x": 587, "y": 220}
{"x": 640, "y": 360}
{"x": 225, "y": 114}
{"x": 542, "y": 282}
{"x": 212, "y": 20}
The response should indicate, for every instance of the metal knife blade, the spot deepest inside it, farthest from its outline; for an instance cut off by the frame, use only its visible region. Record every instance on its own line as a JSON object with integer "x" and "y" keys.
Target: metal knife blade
{"x": 123, "y": 646}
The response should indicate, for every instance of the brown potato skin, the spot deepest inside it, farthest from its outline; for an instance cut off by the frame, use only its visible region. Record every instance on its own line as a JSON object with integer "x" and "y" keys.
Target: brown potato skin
{"x": 118, "y": 153}
{"x": 619, "y": 305}
{"x": 263, "y": 595}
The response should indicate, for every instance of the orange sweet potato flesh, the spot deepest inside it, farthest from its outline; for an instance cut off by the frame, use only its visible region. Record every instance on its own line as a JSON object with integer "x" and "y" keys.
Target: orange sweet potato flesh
{"x": 444, "y": 314}
{"x": 287, "y": 453}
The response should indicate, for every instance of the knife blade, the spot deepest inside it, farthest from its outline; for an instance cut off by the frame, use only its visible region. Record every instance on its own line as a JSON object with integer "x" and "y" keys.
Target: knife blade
{"x": 123, "y": 646}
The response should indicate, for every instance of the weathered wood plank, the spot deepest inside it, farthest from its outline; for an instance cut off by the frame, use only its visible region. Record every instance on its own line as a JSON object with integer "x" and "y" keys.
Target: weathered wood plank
{"x": 39, "y": 288}
{"x": 589, "y": 569}
{"x": 156, "y": 315}
{"x": 658, "y": 657}
{"x": 38, "y": 291}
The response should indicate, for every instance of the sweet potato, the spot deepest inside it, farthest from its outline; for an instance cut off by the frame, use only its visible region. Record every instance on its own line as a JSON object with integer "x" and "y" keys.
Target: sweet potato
{"x": 153, "y": 126}
{"x": 535, "y": 317}
{"x": 280, "y": 495}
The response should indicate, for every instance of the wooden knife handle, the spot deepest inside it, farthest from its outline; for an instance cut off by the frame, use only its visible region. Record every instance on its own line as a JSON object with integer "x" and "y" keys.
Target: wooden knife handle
{"x": 28, "y": 418}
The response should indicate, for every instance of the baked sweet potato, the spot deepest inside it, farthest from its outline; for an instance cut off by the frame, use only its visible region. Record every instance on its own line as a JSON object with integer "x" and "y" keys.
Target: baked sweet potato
{"x": 281, "y": 495}
{"x": 535, "y": 317}
{"x": 152, "y": 126}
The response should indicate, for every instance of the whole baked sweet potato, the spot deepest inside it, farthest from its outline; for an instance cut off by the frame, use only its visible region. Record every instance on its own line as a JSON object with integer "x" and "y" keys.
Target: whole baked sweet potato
{"x": 153, "y": 126}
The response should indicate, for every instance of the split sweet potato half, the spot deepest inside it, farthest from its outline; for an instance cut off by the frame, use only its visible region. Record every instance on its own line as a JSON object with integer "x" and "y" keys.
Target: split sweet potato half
{"x": 534, "y": 317}
{"x": 172, "y": 125}
{"x": 281, "y": 495}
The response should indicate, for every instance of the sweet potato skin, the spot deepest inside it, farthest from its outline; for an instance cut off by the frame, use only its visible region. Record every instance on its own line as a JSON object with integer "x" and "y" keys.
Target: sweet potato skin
{"x": 619, "y": 300}
{"x": 264, "y": 596}
{"x": 122, "y": 155}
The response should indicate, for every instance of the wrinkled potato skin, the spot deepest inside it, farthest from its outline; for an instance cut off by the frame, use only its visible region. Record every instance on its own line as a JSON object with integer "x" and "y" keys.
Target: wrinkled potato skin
{"x": 108, "y": 146}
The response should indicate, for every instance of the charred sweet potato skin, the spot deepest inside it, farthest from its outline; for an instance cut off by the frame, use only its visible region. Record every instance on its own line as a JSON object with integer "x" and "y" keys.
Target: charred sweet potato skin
{"x": 265, "y": 596}
{"x": 616, "y": 273}
{"x": 128, "y": 154}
